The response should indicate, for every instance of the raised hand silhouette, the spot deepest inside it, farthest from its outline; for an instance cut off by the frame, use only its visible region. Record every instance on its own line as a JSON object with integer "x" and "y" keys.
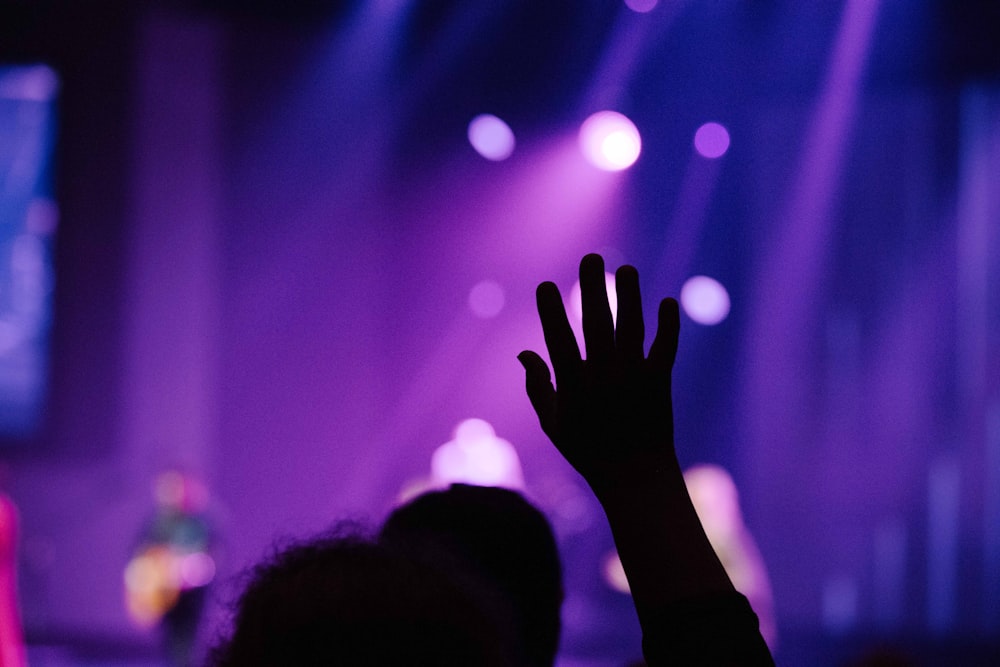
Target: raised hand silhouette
{"x": 610, "y": 416}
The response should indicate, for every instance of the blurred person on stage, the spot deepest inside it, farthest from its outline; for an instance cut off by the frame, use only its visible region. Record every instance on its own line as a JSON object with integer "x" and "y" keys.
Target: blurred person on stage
{"x": 167, "y": 578}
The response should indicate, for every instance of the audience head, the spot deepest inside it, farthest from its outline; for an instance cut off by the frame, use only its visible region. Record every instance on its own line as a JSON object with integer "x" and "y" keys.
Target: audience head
{"x": 345, "y": 599}
{"x": 499, "y": 541}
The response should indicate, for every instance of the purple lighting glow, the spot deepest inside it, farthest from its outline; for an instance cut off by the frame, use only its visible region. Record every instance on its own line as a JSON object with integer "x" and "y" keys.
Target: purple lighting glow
{"x": 486, "y": 299}
{"x": 491, "y": 137}
{"x": 614, "y": 573}
{"x": 705, "y": 300}
{"x": 711, "y": 140}
{"x": 610, "y": 141}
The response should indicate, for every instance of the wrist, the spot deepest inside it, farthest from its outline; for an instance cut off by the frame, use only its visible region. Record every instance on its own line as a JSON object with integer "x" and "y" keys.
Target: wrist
{"x": 639, "y": 478}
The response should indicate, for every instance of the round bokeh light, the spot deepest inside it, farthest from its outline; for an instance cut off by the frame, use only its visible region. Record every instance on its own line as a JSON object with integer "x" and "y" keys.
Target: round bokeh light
{"x": 610, "y": 141}
{"x": 641, "y": 6}
{"x": 491, "y": 137}
{"x": 705, "y": 300}
{"x": 711, "y": 140}
{"x": 486, "y": 299}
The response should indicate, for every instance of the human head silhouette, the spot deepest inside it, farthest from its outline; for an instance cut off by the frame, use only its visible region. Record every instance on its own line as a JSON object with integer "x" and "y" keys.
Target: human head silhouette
{"x": 500, "y": 540}
{"x": 348, "y": 600}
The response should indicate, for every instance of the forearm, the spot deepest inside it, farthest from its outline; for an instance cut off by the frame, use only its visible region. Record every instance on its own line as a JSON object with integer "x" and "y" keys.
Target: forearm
{"x": 610, "y": 418}
{"x": 689, "y": 611}
{"x": 660, "y": 540}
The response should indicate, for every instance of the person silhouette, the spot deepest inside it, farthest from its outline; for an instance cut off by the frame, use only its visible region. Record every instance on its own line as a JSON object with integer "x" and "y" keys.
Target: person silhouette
{"x": 344, "y": 598}
{"x": 504, "y": 544}
{"x": 168, "y": 576}
{"x": 610, "y": 417}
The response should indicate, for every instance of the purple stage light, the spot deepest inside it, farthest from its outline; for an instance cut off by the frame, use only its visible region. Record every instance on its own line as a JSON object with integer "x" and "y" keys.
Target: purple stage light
{"x": 486, "y": 299}
{"x": 491, "y": 137}
{"x": 477, "y": 456}
{"x": 610, "y": 141}
{"x": 711, "y": 140}
{"x": 614, "y": 573}
{"x": 705, "y": 300}
{"x": 641, "y": 6}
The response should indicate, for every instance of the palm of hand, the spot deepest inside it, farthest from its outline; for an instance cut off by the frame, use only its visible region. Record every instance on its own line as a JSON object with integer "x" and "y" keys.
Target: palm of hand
{"x": 609, "y": 414}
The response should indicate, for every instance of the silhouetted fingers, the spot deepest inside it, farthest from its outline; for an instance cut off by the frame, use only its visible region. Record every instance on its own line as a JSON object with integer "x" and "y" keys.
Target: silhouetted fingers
{"x": 663, "y": 351}
{"x": 559, "y": 338}
{"x": 538, "y": 384}
{"x": 630, "y": 330}
{"x": 598, "y": 326}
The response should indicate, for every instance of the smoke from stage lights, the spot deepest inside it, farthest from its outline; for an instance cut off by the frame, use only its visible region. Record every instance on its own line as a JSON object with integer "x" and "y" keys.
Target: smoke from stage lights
{"x": 705, "y": 300}
{"x": 610, "y": 141}
{"x": 711, "y": 140}
{"x": 491, "y": 137}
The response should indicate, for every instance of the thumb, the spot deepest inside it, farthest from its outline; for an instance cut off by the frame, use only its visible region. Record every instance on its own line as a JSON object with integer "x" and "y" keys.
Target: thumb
{"x": 538, "y": 385}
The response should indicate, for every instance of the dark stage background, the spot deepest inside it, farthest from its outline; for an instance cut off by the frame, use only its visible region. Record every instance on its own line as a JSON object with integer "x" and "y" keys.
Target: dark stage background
{"x": 271, "y": 220}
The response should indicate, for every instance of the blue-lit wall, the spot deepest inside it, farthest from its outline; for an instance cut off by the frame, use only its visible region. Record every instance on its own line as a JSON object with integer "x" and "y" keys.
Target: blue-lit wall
{"x": 28, "y": 219}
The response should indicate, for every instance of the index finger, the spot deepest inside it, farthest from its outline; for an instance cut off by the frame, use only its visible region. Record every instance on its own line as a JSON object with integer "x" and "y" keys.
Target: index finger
{"x": 559, "y": 339}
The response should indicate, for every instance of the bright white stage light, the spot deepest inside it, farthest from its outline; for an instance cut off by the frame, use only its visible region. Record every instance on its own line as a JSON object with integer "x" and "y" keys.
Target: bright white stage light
{"x": 610, "y": 141}
{"x": 477, "y": 456}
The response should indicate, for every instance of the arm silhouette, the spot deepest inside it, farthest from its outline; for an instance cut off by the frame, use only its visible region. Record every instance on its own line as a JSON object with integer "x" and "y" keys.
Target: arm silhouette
{"x": 610, "y": 416}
